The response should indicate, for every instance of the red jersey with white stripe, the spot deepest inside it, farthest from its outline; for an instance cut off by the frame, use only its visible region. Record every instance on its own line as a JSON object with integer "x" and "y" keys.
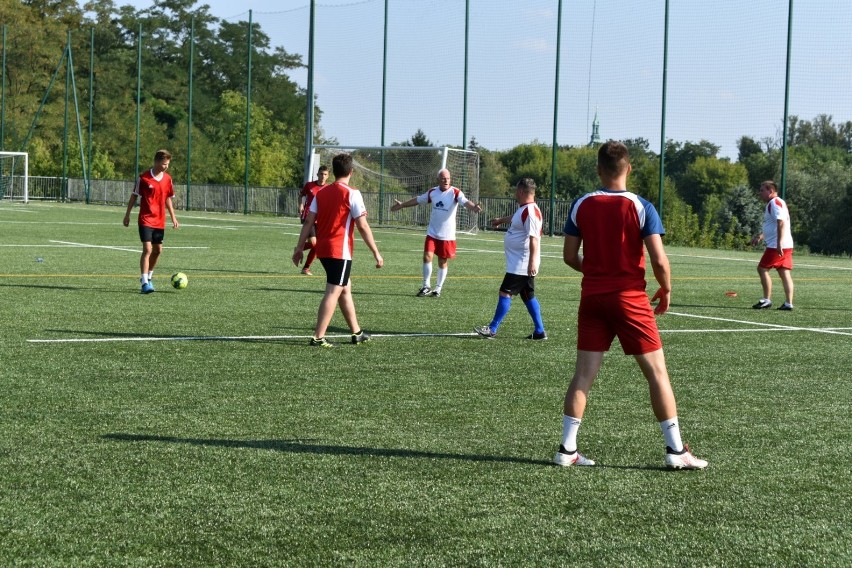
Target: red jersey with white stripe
{"x": 526, "y": 223}
{"x": 336, "y": 207}
{"x": 442, "y": 220}
{"x": 308, "y": 191}
{"x": 152, "y": 194}
{"x": 613, "y": 226}
{"x": 777, "y": 209}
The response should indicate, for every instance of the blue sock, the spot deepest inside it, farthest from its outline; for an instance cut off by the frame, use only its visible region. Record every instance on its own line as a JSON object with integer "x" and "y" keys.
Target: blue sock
{"x": 503, "y": 305}
{"x": 535, "y": 311}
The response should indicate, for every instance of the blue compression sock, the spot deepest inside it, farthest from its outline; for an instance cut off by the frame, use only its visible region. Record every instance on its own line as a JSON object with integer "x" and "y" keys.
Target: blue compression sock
{"x": 503, "y": 305}
{"x": 535, "y": 312}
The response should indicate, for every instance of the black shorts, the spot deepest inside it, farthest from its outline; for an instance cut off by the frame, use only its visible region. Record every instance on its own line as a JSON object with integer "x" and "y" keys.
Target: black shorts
{"x": 151, "y": 235}
{"x": 337, "y": 270}
{"x": 516, "y": 283}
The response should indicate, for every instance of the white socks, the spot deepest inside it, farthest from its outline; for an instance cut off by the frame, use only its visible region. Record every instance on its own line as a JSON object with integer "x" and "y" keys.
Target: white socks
{"x": 570, "y": 425}
{"x": 427, "y": 273}
{"x": 671, "y": 432}
{"x": 442, "y": 275}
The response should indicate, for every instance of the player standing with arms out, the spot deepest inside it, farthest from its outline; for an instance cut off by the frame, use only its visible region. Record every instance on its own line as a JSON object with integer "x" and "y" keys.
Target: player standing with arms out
{"x": 522, "y": 246}
{"x": 613, "y": 224}
{"x": 155, "y": 190}
{"x": 779, "y": 247}
{"x": 441, "y": 234}
{"x": 305, "y": 197}
{"x": 337, "y": 210}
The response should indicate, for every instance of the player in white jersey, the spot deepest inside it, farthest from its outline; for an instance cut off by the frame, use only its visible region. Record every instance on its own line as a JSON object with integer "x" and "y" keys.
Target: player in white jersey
{"x": 441, "y": 235}
{"x": 522, "y": 245}
{"x": 779, "y": 247}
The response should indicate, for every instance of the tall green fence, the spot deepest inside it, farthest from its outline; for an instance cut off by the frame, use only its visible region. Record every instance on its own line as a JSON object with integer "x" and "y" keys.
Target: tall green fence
{"x": 502, "y": 74}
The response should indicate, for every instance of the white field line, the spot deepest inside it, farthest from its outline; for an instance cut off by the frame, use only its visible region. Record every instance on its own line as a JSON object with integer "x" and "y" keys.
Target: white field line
{"x": 121, "y": 248}
{"x": 770, "y": 326}
{"x": 234, "y": 337}
{"x": 755, "y": 261}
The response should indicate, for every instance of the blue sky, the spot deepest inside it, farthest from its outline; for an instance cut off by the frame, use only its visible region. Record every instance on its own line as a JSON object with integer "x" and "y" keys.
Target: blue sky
{"x": 726, "y": 67}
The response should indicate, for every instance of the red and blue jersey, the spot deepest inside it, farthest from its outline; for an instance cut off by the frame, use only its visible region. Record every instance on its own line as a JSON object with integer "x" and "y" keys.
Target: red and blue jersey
{"x": 613, "y": 226}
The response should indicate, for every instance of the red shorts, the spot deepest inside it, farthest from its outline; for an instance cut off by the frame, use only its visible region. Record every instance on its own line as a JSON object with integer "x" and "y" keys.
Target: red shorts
{"x": 771, "y": 259}
{"x": 627, "y": 315}
{"x": 444, "y": 249}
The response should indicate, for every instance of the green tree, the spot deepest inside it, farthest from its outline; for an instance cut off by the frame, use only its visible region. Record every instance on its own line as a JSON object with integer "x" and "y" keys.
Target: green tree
{"x": 272, "y": 163}
{"x": 710, "y": 176}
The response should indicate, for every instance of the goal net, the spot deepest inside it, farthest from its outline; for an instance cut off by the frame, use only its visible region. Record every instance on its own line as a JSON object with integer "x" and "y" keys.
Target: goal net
{"x": 14, "y": 176}
{"x": 386, "y": 173}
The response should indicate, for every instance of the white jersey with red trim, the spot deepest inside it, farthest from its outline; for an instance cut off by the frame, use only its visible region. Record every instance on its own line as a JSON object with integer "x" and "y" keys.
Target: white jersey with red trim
{"x": 336, "y": 207}
{"x": 442, "y": 221}
{"x": 777, "y": 209}
{"x": 526, "y": 223}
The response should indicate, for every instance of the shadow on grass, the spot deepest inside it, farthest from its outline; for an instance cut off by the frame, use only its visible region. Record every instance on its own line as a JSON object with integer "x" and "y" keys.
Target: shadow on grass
{"x": 185, "y": 336}
{"x": 44, "y": 287}
{"x": 300, "y": 447}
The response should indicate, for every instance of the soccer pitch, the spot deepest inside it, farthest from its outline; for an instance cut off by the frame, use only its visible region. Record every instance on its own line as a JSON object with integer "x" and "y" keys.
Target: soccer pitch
{"x": 196, "y": 427}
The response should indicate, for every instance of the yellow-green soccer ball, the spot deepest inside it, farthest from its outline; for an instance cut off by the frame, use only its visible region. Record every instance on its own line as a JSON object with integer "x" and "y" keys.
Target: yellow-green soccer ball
{"x": 179, "y": 280}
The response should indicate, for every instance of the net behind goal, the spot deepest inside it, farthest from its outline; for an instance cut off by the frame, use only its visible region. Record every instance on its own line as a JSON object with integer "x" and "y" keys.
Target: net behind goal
{"x": 402, "y": 172}
{"x": 14, "y": 176}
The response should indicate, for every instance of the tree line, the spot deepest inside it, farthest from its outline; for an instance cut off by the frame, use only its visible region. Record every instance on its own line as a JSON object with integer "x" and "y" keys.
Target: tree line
{"x": 708, "y": 200}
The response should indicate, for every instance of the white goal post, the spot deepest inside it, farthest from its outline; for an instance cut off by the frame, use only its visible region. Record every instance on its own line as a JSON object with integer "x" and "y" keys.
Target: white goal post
{"x": 15, "y": 176}
{"x": 385, "y": 173}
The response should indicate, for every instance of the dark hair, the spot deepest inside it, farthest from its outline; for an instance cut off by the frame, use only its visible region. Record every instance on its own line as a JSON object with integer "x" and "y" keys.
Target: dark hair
{"x": 162, "y": 155}
{"x": 342, "y": 165}
{"x": 770, "y": 183}
{"x": 613, "y": 158}
{"x": 322, "y": 169}
{"x": 527, "y": 184}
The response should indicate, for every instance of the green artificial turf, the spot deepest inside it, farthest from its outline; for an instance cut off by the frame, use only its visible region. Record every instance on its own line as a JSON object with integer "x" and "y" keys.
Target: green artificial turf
{"x": 197, "y": 428}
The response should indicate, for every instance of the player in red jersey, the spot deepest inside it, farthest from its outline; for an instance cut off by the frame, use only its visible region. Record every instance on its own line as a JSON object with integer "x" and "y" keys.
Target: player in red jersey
{"x": 305, "y": 197}
{"x": 615, "y": 226}
{"x": 337, "y": 210}
{"x": 155, "y": 191}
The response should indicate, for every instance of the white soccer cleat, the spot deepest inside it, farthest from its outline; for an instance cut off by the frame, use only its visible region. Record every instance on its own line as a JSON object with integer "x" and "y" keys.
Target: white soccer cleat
{"x": 566, "y": 459}
{"x": 683, "y": 460}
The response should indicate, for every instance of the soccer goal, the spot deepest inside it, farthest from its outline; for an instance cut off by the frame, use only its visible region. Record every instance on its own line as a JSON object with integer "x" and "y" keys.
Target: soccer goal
{"x": 14, "y": 176}
{"x": 385, "y": 173}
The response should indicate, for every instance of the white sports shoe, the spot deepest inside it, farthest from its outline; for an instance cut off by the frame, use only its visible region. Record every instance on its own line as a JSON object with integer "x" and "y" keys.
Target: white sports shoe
{"x": 566, "y": 459}
{"x": 683, "y": 460}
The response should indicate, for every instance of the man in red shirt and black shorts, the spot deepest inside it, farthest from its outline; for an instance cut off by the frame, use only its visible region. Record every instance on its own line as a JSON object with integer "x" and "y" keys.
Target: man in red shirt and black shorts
{"x": 306, "y": 196}
{"x": 337, "y": 211}
{"x": 155, "y": 190}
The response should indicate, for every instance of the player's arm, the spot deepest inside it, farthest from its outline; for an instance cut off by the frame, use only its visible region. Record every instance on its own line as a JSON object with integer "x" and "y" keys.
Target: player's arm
{"x": 532, "y": 269}
{"x": 171, "y": 209}
{"x": 367, "y": 236}
{"x": 571, "y": 252}
{"x": 662, "y": 272}
{"x": 130, "y": 204}
{"x": 310, "y": 219}
{"x": 497, "y": 221}
{"x": 780, "y": 229}
{"x": 471, "y": 206}
{"x": 397, "y": 204}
